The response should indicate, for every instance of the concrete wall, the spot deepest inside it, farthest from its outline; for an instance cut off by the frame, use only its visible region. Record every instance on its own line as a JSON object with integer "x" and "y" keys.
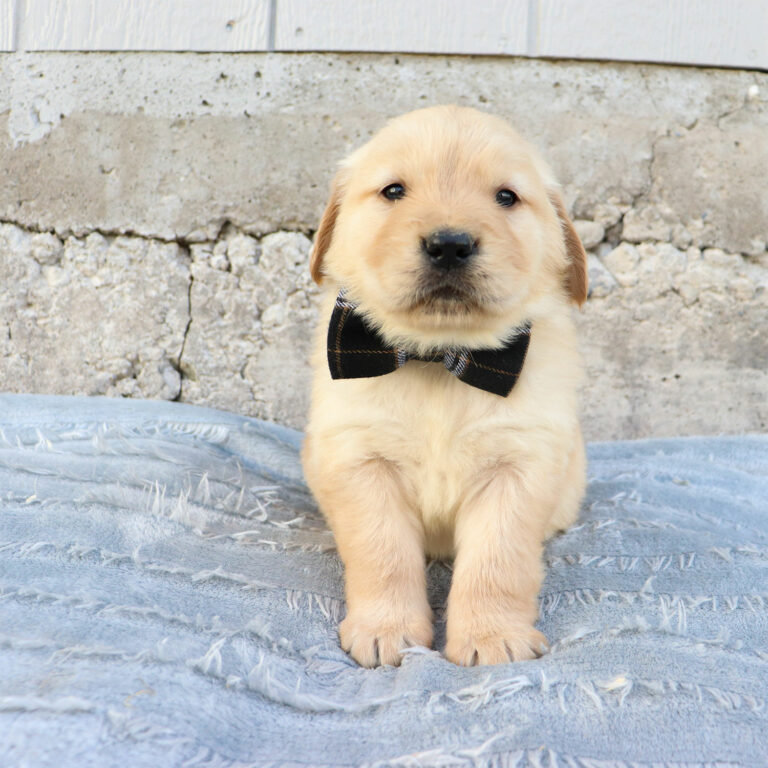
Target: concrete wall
{"x": 157, "y": 211}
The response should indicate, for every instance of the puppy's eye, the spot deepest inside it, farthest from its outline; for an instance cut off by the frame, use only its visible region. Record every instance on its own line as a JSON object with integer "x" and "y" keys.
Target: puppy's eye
{"x": 506, "y": 198}
{"x": 393, "y": 192}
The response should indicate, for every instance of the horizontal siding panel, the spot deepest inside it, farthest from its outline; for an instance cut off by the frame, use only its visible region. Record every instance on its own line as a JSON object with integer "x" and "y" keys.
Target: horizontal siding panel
{"x": 731, "y": 33}
{"x": 7, "y": 19}
{"x": 704, "y": 32}
{"x": 144, "y": 25}
{"x": 408, "y": 26}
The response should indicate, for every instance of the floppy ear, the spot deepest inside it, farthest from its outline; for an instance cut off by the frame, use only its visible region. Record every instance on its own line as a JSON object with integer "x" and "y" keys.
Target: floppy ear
{"x": 325, "y": 231}
{"x": 576, "y": 281}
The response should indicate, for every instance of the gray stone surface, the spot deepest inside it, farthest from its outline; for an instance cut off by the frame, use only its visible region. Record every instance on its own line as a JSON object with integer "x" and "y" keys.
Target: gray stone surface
{"x": 97, "y": 315}
{"x": 678, "y": 344}
{"x": 252, "y": 316}
{"x": 157, "y": 211}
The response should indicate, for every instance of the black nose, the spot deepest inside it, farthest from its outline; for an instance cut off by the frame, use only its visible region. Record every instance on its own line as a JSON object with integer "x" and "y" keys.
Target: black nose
{"x": 448, "y": 249}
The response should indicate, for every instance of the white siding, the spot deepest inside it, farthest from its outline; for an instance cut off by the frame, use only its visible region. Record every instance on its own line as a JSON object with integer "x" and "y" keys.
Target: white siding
{"x": 430, "y": 26}
{"x": 144, "y": 25}
{"x": 7, "y": 21}
{"x": 730, "y": 33}
{"x": 707, "y": 32}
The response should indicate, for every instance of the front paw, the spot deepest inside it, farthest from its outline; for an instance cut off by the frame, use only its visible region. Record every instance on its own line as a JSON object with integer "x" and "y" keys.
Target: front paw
{"x": 371, "y": 644}
{"x": 476, "y": 646}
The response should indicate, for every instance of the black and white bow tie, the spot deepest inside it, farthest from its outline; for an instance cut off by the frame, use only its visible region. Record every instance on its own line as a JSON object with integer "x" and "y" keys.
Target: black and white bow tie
{"x": 355, "y": 351}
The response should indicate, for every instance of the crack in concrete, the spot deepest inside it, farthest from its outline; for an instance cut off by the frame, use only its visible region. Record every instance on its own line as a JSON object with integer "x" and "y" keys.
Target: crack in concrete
{"x": 652, "y": 160}
{"x": 746, "y": 101}
{"x": 183, "y": 242}
{"x": 179, "y": 363}
{"x": 107, "y": 234}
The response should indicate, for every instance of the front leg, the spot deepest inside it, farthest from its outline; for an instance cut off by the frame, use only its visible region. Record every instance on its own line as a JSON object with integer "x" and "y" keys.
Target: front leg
{"x": 493, "y": 602}
{"x": 381, "y": 543}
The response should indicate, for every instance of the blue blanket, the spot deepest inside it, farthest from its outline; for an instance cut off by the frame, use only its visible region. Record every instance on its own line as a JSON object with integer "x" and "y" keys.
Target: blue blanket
{"x": 169, "y": 596}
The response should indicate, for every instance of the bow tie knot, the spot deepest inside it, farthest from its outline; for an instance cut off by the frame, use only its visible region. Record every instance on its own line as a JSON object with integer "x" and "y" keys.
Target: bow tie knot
{"x": 355, "y": 350}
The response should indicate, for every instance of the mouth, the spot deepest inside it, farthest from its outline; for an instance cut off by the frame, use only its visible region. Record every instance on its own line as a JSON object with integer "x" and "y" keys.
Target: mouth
{"x": 445, "y": 295}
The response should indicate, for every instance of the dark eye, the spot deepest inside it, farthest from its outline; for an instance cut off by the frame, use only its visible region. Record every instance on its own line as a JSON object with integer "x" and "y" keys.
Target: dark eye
{"x": 393, "y": 192}
{"x": 506, "y": 198}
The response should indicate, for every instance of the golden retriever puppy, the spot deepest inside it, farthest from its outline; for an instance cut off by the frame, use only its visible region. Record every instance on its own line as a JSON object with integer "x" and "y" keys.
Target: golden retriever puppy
{"x": 444, "y": 419}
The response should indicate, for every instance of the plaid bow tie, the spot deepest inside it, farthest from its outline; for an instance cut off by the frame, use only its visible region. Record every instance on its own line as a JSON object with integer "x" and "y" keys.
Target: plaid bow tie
{"x": 357, "y": 351}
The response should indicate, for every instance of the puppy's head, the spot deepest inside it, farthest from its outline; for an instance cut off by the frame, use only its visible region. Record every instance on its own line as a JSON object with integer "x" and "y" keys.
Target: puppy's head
{"x": 447, "y": 229}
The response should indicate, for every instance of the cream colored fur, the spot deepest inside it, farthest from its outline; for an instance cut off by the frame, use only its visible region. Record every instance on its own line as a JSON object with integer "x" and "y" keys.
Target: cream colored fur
{"x": 416, "y": 463}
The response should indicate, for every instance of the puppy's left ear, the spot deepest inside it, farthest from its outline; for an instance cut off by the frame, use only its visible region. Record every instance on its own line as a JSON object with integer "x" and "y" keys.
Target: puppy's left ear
{"x": 576, "y": 281}
{"x": 324, "y": 233}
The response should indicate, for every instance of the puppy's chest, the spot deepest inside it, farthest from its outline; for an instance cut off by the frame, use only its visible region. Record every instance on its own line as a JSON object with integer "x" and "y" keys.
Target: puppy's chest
{"x": 437, "y": 469}
{"x": 432, "y": 462}
{"x": 440, "y": 445}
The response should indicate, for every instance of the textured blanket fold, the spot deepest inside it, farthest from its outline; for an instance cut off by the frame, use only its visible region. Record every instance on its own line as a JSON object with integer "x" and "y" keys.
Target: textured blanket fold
{"x": 169, "y": 596}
